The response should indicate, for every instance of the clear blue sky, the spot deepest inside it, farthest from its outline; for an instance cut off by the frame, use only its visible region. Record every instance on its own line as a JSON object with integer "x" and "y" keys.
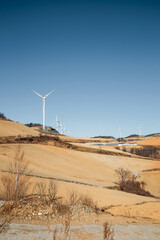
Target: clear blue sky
{"x": 102, "y": 57}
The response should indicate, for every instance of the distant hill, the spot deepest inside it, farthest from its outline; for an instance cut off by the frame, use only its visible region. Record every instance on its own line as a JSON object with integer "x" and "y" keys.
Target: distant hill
{"x": 110, "y": 137}
{"x": 149, "y": 135}
{"x": 132, "y": 136}
{"x": 153, "y": 135}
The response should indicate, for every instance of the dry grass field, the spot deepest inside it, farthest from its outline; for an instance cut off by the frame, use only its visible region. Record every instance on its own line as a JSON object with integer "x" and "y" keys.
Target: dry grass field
{"x": 10, "y": 128}
{"x": 87, "y": 173}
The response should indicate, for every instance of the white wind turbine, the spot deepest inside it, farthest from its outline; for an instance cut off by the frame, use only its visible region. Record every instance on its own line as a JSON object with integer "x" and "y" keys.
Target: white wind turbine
{"x": 43, "y": 104}
{"x": 60, "y": 126}
{"x": 57, "y": 123}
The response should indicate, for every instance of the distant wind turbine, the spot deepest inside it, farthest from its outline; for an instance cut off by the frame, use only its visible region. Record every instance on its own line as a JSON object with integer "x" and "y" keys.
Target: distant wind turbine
{"x": 43, "y": 104}
{"x": 57, "y": 123}
{"x": 60, "y": 126}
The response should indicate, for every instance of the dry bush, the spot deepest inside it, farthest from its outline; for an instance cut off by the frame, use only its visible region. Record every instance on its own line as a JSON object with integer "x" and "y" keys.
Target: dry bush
{"x": 108, "y": 233}
{"x": 86, "y": 200}
{"x": 49, "y": 196}
{"x": 128, "y": 182}
{"x": 123, "y": 175}
{"x": 147, "y": 151}
{"x": 40, "y": 188}
{"x": 6, "y": 215}
{"x": 15, "y": 183}
{"x": 52, "y": 190}
{"x": 61, "y": 208}
{"x": 73, "y": 197}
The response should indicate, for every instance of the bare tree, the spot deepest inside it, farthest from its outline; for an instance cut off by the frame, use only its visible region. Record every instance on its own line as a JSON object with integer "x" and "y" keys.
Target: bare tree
{"x": 123, "y": 175}
{"x": 16, "y": 182}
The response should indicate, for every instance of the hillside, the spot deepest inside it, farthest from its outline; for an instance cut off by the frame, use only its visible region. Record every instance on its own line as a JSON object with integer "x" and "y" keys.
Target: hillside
{"x": 79, "y": 166}
{"x": 152, "y": 142}
{"x": 84, "y": 168}
{"x": 10, "y": 128}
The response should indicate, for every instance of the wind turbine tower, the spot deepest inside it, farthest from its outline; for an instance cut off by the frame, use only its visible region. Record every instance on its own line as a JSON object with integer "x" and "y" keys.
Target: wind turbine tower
{"x": 43, "y": 104}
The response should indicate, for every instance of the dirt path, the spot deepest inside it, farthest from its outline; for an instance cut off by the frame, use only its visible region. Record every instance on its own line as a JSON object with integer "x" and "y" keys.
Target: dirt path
{"x": 92, "y": 232}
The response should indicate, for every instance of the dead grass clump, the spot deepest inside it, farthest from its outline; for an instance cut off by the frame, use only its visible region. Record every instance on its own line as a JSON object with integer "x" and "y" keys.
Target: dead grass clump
{"x": 59, "y": 208}
{"x": 15, "y": 183}
{"x": 108, "y": 232}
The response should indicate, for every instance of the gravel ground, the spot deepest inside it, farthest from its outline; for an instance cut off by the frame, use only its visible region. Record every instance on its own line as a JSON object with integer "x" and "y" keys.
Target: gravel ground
{"x": 37, "y": 232}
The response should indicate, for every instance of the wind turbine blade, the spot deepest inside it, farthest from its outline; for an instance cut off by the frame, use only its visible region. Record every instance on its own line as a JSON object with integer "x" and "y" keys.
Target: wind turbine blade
{"x": 49, "y": 93}
{"x": 37, "y": 93}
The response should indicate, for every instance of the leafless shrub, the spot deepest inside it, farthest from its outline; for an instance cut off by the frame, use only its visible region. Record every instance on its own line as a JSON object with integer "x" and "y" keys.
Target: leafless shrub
{"x": 6, "y": 215}
{"x": 123, "y": 175}
{"x": 61, "y": 208}
{"x": 15, "y": 183}
{"x": 108, "y": 232}
{"x": 40, "y": 188}
{"x": 73, "y": 197}
{"x": 147, "y": 151}
{"x": 128, "y": 182}
{"x": 87, "y": 201}
{"x": 52, "y": 190}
